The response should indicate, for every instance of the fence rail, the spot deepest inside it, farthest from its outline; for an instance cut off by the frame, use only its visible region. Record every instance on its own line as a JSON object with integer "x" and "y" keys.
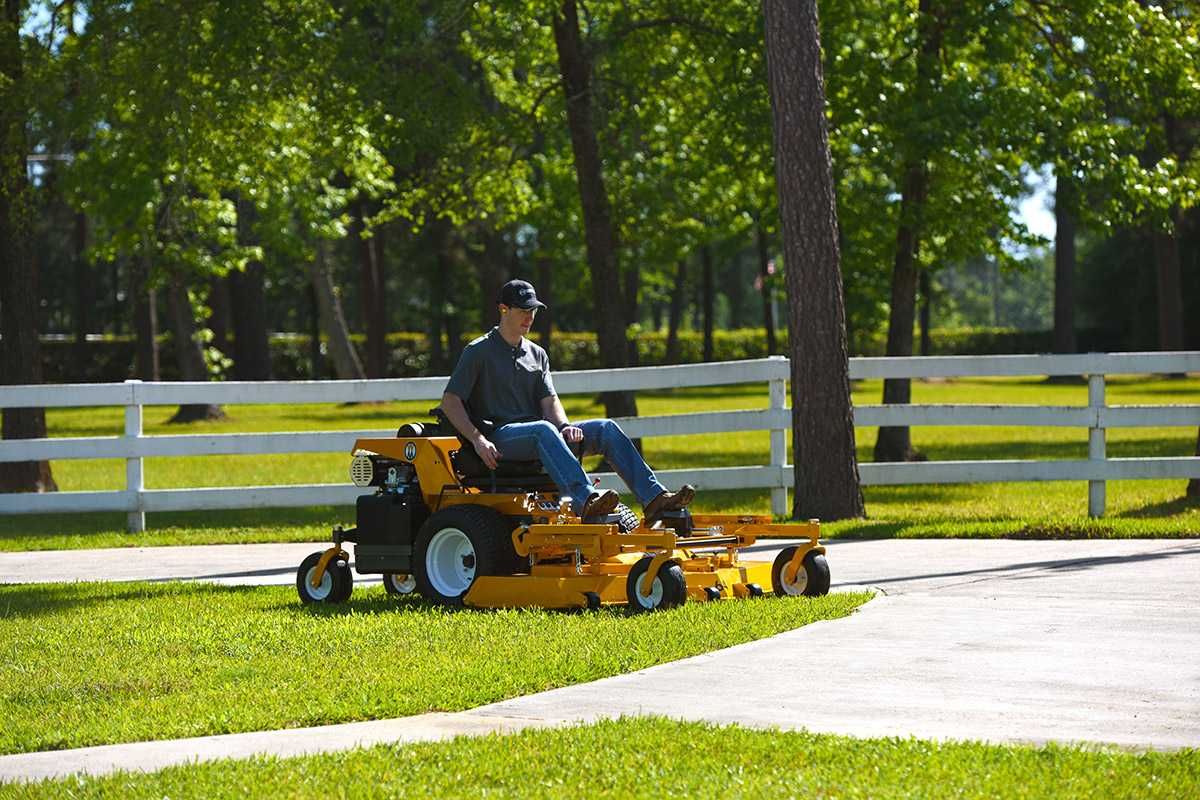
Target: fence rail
{"x": 134, "y": 446}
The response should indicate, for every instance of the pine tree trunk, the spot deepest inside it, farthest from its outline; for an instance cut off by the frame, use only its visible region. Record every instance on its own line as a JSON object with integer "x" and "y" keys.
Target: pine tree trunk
{"x": 248, "y": 307}
{"x": 333, "y": 321}
{"x": 85, "y": 294}
{"x": 218, "y": 313}
{"x": 576, "y": 73}
{"x": 491, "y": 270}
{"x": 1193, "y": 486}
{"x": 1064, "y": 266}
{"x": 542, "y": 323}
{"x": 20, "y": 350}
{"x": 675, "y": 316}
{"x": 764, "y": 275}
{"x": 826, "y": 467}
{"x": 895, "y": 443}
{"x": 371, "y": 291}
{"x": 709, "y": 300}
{"x": 1169, "y": 285}
{"x": 188, "y": 350}
{"x": 923, "y": 321}
{"x": 145, "y": 319}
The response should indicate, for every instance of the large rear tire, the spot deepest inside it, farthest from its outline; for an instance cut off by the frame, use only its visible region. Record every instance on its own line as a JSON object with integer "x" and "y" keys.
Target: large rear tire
{"x": 457, "y": 545}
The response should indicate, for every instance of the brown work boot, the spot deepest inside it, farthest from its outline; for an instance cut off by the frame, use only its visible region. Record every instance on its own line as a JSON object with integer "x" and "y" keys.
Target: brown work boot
{"x": 600, "y": 503}
{"x": 668, "y": 501}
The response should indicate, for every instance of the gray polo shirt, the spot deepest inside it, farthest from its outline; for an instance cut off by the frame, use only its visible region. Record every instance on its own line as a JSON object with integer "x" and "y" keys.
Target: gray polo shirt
{"x": 501, "y": 383}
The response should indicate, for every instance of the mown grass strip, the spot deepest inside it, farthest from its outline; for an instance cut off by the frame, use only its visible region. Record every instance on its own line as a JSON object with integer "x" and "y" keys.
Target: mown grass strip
{"x": 87, "y": 664}
{"x": 656, "y": 758}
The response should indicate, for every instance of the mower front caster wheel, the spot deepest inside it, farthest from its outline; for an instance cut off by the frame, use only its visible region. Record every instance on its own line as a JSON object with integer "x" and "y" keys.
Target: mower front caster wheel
{"x": 399, "y": 583}
{"x": 668, "y": 590}
{"x": 812, "y": 579}
{"x": 335, "y": 586}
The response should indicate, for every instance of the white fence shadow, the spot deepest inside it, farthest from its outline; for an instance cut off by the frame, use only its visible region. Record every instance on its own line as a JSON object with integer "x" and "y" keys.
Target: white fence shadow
{"x": 776, "y": 474}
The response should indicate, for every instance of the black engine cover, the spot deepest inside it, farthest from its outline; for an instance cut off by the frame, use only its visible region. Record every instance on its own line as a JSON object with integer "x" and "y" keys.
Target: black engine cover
{"x": 387, "y": 525}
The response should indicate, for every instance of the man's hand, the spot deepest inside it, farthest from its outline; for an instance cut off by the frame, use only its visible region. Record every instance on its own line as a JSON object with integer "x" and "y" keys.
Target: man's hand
{"x": 487, "y": 452}
{"x": 572, "y": 434}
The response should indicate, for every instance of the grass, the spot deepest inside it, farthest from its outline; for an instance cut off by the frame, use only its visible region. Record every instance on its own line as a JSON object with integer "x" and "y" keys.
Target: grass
{"x": 88, "y": 664}
{"x": 1135, "y": 508}
{"x": 655, "y": 758}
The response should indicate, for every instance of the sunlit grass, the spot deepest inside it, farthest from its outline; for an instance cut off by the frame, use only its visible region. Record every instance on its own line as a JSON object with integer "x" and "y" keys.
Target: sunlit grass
{"x": 87, "y": 664}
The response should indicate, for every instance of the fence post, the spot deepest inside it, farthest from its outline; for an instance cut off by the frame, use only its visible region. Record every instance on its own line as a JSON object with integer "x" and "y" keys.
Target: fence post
{"x": 1096, "y": 445}
{"x": 134, "y": 480}
{"x": 778, "y": 401}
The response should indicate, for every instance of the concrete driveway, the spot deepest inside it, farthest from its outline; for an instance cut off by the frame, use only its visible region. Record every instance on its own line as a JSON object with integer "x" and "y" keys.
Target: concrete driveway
{"x": 1005, "y": 641}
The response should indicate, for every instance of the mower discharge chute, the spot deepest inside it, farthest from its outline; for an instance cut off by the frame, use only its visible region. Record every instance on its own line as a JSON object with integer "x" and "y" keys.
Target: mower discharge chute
{"x": 442, "y": 524}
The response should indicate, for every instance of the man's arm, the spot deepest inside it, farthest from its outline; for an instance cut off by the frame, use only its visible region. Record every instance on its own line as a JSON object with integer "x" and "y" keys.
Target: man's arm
{"x": 456, "y": 412}
{"x": 554, "y": 413}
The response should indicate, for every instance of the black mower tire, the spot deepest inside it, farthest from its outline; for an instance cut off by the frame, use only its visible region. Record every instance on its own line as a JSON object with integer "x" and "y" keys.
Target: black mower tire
{"x": 669, "y": 591}
{"x": 812, "y": 581}
{"x": 336, "y": 584}
{"x": 455, "y": 535}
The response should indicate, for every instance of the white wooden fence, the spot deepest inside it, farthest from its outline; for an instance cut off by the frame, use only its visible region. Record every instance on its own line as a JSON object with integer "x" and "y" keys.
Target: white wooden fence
{"x": 776, "y": 475}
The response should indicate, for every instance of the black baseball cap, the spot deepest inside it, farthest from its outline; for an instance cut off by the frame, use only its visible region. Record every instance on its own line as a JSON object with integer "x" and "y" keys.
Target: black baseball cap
{"x": 519, "y": 294}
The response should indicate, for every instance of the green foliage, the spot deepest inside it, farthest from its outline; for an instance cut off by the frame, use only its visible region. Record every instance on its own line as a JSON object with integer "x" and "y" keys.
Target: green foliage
{"x": 123, "y": 662}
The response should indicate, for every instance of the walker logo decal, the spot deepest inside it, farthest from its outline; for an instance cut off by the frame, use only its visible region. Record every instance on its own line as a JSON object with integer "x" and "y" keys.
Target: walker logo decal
{"x": 410, "y": 450}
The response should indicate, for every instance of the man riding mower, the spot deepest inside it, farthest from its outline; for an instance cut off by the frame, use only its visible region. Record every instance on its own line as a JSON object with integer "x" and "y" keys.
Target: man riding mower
{"x": 490, "y": 507}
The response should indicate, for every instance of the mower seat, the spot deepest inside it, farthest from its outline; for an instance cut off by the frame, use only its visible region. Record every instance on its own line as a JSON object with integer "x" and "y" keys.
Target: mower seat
{"x": 509, "y": 474}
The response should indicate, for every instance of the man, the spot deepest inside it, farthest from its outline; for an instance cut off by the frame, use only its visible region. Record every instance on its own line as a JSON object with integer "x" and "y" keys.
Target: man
{"x": 504, "y": 379}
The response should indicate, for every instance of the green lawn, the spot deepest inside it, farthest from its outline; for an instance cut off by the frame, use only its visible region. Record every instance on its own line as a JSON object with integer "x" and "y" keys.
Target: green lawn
{"x": 656, "y": 758}
{"x": 87, "y": 664}
{"x": 1135, "y": 508}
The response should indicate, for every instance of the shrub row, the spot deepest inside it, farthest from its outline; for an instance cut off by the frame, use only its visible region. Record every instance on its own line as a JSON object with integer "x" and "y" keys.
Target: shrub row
{"x": 112, "y": 358}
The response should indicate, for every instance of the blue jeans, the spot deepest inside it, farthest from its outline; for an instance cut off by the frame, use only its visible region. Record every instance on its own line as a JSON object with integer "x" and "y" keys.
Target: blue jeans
{"x": 525, "y": 441}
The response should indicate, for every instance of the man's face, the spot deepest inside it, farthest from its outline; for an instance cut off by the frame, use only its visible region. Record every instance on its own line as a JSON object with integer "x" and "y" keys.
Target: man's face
{"x": 518, "y": 319}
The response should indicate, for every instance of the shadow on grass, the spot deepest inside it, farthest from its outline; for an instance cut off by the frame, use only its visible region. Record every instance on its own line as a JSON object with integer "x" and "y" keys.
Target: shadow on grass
{"x": 27, "y": 601}
{"x": 1166, "y": 508}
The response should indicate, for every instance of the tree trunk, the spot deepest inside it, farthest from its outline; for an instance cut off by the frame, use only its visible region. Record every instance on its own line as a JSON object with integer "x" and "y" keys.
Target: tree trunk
{"x": 1193, "y": 486}
{"x": 491, "y": 270}
{"x": 764, "y": 276}
{"x": 1064, "y": 265}
{"x": 371, "y": 291}
{"x": 248, "y": 313}
{"x": 316, "y": 356}
{"x": 145, "y": 319}
{"x": 895, "y": 443}
{"x": 575, "y": 71}
{"x": 826, "y": 467}
{"x": 333, "y": 321}
{"x": 218, "y": 313}
{"x": 708, "y": 300}
{"x": 923, "y": 321}
{"x": 188, "y": 350}
{"x": 20, "y": 350}
{"x": 85, "y": 293}
{"x": 675, "y": 317}
{"x": 1170, "y": 289}
{"x": 545, "y": 289}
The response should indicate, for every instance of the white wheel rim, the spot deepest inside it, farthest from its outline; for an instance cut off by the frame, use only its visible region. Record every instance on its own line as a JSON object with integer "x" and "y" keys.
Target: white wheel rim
{"x": 799, "y": 585}
{"x": 656, "y": 592}
{"x": 404, "y": 585}
{"x": 323, "y": 590}
{"x": 450, "y": 562}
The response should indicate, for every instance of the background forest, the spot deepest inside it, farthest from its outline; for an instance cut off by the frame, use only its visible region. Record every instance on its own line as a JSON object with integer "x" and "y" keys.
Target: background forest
{"x": 312, "y": 188}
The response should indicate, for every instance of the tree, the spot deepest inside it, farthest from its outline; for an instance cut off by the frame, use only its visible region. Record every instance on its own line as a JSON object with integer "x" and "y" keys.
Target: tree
{"x": 20, "y": 353}
{"x": 826, "y": 466}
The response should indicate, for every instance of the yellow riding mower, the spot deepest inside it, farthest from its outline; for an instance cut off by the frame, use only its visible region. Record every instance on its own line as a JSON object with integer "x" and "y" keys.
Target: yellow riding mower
{"x": 442, "y": 524}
